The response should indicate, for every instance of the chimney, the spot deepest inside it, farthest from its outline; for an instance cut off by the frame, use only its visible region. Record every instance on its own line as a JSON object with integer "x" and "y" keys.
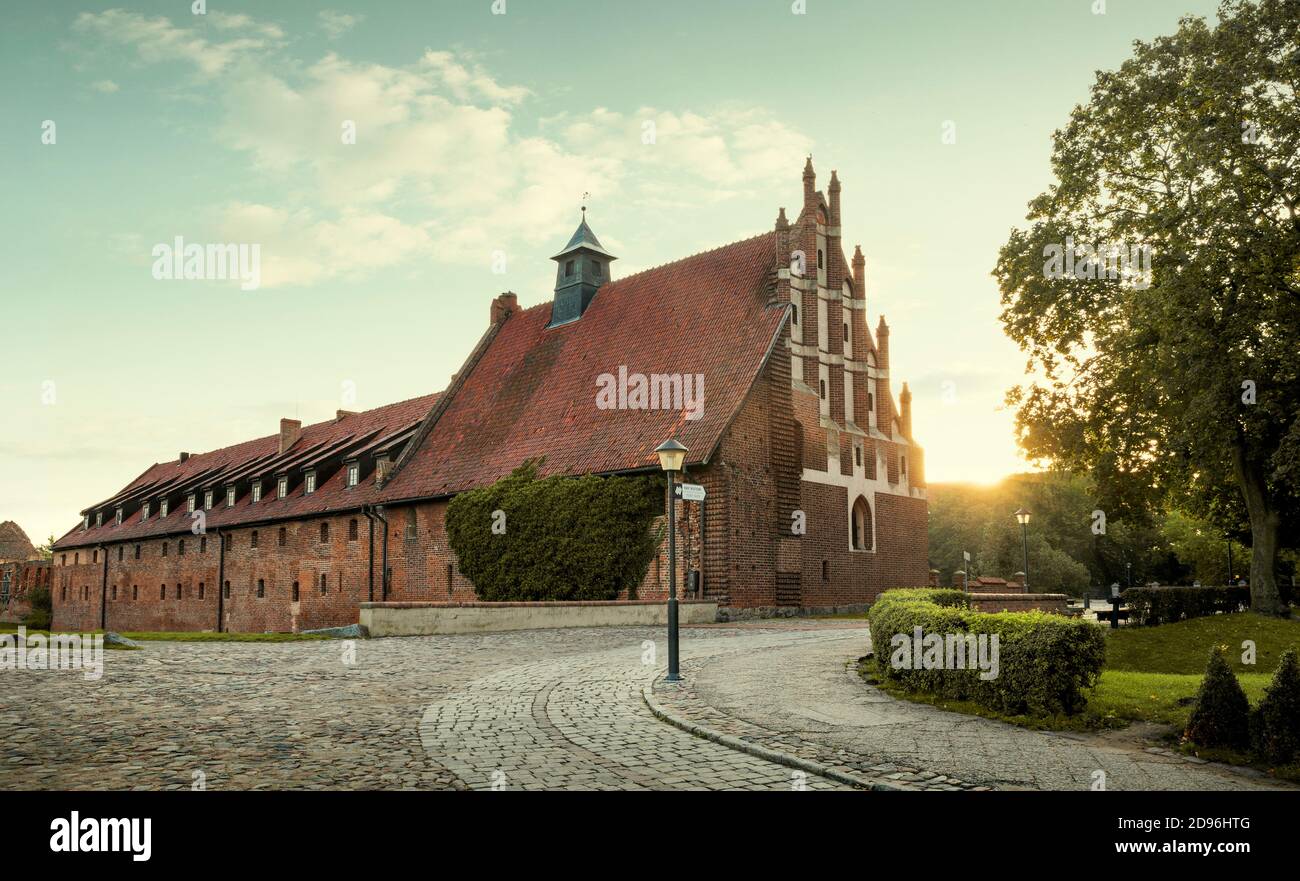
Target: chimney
{"x": 905, "y": 411}
{"x": 184, "y": 457}
{"x": 503, "y": 306}
{"x": 340, "y": 415}
{"x": 290, "y": 431}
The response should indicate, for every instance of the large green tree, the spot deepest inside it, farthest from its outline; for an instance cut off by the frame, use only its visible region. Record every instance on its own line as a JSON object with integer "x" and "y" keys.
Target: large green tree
{"x": 1178, "y": 384}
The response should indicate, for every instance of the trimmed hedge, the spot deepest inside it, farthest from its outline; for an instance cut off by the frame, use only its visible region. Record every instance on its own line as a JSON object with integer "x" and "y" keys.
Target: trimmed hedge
{"x": 564, "y": 538}
{"x": 1165, "y": 605}
{"x": 1045, "y": 661}
{"x": 1275, "y": 723}
{"x": 1221, "y": 716}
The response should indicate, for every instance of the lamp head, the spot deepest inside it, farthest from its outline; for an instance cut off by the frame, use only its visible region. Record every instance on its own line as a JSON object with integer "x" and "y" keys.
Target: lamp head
{"x": 671, "y": 455}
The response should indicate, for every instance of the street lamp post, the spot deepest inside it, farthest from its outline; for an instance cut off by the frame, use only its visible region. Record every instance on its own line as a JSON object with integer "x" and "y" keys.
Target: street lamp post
{"x": 671, "y": 456}
{"x": 1022, "y": 517}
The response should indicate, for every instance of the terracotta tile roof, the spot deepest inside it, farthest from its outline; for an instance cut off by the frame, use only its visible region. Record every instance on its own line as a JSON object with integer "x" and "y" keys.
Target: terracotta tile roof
{"x": 377, "y": 428}
{"x": 533, "y": 391}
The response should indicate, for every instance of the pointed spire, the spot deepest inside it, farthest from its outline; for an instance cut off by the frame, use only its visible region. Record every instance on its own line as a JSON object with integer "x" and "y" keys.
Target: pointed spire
{"x": 809, "y": 185}
{"x": 781, "y": 222}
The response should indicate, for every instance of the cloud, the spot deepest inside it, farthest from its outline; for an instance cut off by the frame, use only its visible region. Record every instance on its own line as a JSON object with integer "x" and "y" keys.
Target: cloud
{"x": 108, "y": 87}
{"x": 157, "y": 40}
{"x": 299, "y": 247}
{"x": 440, "y": 168}
{"x": 336, "y": 24}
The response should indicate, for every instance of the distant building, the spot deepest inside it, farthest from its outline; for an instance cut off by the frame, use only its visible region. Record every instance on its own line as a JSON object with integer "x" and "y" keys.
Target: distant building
{"x": 21, "y": 569}
{"x": 756, "y": 355}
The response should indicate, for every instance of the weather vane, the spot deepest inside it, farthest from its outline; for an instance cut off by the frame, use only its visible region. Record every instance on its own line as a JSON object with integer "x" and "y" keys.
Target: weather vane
{"x": 585, "y": 196}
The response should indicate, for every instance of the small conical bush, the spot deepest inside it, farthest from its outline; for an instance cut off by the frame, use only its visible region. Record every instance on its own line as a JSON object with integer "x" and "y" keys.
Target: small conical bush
{"x": 1275, "y": 724}
{"x": 1221, "y": 717}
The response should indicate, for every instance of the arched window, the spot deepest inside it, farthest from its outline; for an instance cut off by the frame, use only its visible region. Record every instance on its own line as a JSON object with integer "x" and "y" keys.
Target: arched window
{"x": 861, "y": 525}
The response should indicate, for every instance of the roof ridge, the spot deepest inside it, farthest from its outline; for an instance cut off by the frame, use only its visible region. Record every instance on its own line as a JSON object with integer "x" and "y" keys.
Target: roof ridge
{"x": 266, "y": 437}
{"x": 730, "y": 244}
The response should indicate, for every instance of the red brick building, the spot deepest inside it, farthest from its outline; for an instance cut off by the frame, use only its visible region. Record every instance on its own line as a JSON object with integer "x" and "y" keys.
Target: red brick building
{"x": 756, "y": 355}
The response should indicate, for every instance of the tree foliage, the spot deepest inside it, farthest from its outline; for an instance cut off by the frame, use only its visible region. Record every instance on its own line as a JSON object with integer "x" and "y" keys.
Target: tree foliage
{"x": 1182, "y": 385}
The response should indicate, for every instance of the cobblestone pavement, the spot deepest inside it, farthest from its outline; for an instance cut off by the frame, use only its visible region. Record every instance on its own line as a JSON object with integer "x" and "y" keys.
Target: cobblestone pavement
{"x": 545, "y": 709}
{"x": 805, "y": 698}
{"x": 294, "y": 716}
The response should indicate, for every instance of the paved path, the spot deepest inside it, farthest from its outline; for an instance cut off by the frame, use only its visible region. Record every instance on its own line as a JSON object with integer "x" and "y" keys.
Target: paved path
{"x": 582, "y": 724}
{"x": 805, "y": 698}
{"x": 548, "y": 709}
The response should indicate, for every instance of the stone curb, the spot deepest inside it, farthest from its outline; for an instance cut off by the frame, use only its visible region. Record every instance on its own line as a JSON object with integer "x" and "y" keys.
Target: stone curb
{"x": 757, "y": 751}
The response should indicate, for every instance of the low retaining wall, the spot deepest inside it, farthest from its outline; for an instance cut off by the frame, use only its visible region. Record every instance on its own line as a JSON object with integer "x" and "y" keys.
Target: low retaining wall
{"x": 426, "y": 619}
{"x": 1019, "y": 602}
{"x": 753, "y": 613}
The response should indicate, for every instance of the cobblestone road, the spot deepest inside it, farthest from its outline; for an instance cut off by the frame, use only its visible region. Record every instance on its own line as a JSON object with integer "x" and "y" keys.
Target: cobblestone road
{"x": 547, "y": 709}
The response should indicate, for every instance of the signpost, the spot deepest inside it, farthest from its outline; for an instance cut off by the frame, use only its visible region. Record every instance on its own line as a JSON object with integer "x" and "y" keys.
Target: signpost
{"x": 689, "y": 492}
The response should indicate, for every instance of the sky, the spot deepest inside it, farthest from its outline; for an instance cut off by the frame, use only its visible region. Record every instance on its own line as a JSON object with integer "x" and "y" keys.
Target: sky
{"x": 476, "y": 127}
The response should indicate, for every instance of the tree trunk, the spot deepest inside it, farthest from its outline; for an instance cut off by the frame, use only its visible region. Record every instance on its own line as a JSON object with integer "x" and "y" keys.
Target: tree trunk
{"x": 1264, "y": 523}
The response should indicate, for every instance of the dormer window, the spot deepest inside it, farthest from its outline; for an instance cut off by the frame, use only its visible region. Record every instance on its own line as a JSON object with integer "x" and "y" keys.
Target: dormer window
{"x": 282, "y": 487}
{"x": 309, "y": 483}
{"x": 162, "y": 508}
{"x": 257, "y": 490}
{"x": 85, "y": 521}
{"x": 189, "y": 504}
{"x": 354, "y": 473}
{"x": 144, "y": 512}
{"x": 99, "y": 519}
{"x": 230, "y": 497}
{"x": 119, "y": 516}
{"x": 207, "y": 500}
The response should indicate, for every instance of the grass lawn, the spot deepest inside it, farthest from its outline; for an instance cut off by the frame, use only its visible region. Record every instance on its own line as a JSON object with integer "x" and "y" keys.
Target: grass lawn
{"x": 1152, "y": 673}
{"x": 185, "y": 636}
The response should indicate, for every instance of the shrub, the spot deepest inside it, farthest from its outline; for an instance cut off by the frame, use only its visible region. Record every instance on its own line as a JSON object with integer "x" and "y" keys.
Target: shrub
{"x": 565, "y": 538}
{"x": 1221, "y": 716}
{"x": 41, "y": 613}
{"x": 1044, "y": 661}
{"x": 1165, "y": 605}
{"x": 1275, "y": 723}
